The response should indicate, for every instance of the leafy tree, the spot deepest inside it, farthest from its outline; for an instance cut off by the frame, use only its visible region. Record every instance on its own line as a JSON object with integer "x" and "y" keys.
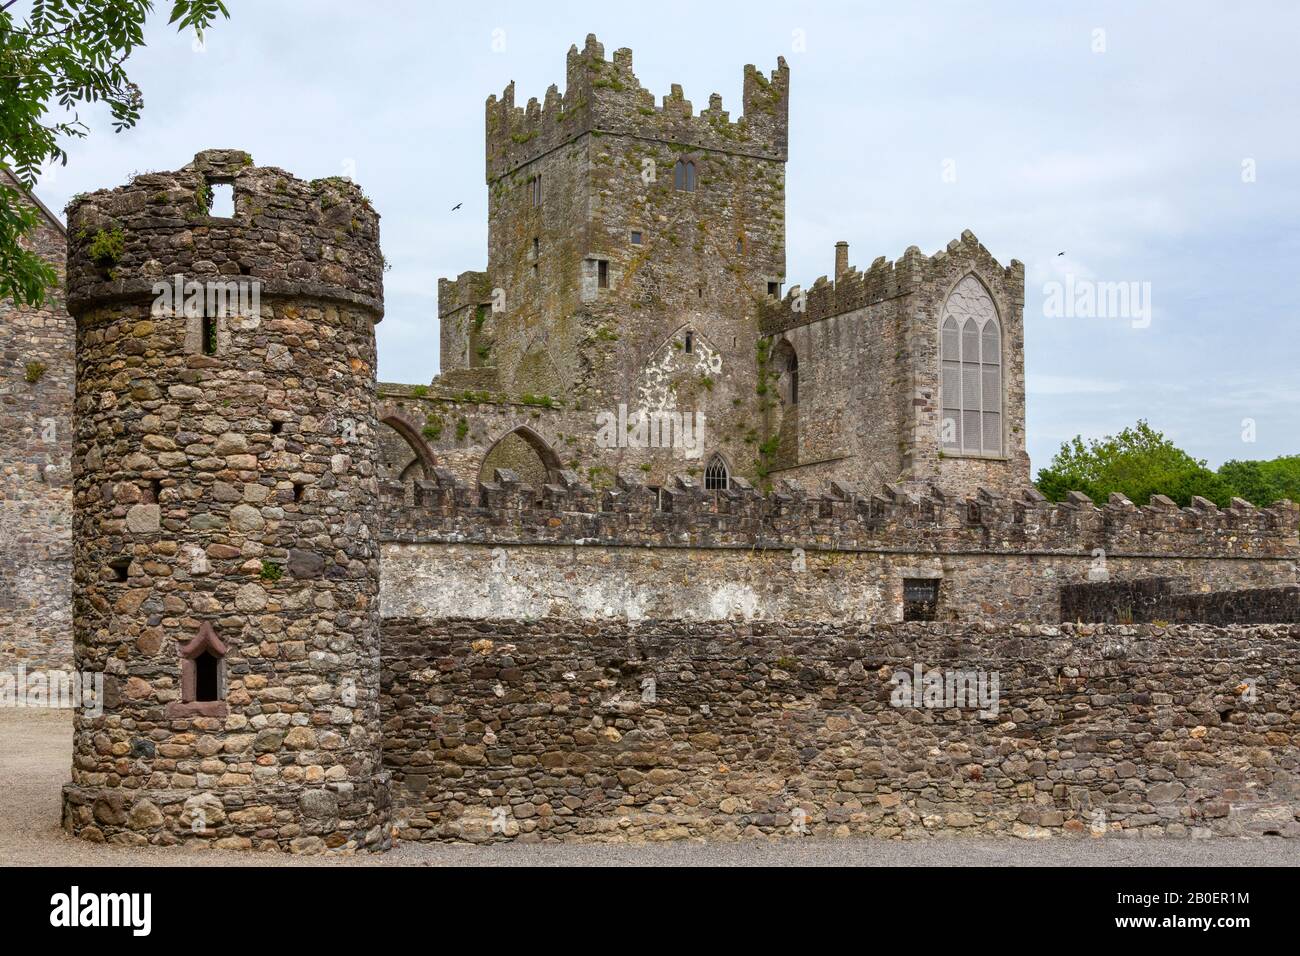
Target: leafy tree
{"x": 68, "y": 52}
{"x": 1138, "y": 462}
{"x": 1264, "y": 482}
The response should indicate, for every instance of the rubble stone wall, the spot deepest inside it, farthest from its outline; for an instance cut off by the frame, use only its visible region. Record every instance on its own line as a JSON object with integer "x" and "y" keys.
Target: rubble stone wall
{"x": 599, "y": 731}
{"x": 36, "y": 385}
{"x": 1171, "y": 599}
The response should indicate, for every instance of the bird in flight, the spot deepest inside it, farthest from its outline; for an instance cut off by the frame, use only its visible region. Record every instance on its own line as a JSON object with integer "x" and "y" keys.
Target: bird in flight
{"x": 1059, "y": 253}
{"x": 457, "y": 206}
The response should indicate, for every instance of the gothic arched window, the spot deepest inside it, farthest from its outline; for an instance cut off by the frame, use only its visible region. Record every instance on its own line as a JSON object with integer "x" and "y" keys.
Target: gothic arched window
{"x": 684, "y": 176}
{"x": 203, "y": 678}
{"x": 716, "y": 476}
{"x": 970, "y": 345}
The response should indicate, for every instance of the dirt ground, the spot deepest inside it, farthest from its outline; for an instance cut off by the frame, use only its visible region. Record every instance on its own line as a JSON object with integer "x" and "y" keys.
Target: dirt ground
{"x": 36, "y": 752}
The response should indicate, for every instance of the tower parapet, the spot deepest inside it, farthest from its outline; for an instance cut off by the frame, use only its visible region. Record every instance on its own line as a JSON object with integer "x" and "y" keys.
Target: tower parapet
{"x": 605, "y": 96}
{"x": 316, "y": 239}
{"x": 225, "y": 557}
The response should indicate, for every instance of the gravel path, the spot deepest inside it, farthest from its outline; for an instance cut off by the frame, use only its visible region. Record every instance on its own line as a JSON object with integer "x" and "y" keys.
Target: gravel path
{"x": 36, "y": 751}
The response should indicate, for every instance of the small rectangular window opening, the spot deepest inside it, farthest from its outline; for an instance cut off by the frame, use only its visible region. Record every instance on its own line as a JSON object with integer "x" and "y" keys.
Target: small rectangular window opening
{"x": 690, "y": 343}
{"x": 920, "y": 598}
{"x": 537, "y": 248}
{"x": 636, "y": 237}
{"x": 774, "y": 289}
{"x": 297, "y": 490}
{"x": 602, "y": 273}
{"x": 209, "y": 335}
{"x": 223, "y": 200}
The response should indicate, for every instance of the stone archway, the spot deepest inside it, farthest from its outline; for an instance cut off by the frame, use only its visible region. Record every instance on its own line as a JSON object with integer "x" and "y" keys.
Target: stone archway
{"x": 524, "y": 452}
{"x": 416, "y": 459}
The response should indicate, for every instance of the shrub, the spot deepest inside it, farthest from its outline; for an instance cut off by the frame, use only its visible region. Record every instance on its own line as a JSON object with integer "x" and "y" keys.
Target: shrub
{"x": 106, "y": 247}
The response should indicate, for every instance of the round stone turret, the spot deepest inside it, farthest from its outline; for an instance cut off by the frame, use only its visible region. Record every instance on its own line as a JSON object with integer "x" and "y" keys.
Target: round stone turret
{"x": 226, "y": 565}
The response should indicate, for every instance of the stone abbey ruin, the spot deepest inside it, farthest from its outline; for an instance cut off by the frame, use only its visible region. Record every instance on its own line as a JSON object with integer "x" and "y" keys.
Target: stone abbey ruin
{"x": 667, "y": 550}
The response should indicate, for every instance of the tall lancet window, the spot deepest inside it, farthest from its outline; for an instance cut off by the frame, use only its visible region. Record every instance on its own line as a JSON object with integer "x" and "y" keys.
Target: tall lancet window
{"x": 970, "y": 344}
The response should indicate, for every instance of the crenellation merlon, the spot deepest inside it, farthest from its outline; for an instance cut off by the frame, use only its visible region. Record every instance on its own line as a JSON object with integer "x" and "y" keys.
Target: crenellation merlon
{"x": 605, "y": 96}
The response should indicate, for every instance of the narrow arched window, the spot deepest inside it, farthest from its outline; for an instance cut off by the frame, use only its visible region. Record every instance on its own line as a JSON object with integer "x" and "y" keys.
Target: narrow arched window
{"x": 684, "y": 176}
{"x": 203, "y": 678}
{"x": 716, "y": 476}
{"x": 792, "y": 370}
{"x": 970, "y": 347}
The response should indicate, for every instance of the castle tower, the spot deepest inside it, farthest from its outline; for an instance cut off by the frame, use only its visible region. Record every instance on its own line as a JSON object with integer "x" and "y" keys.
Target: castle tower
{"x": 226, "y": 565}
{"x": 623, "y": 232}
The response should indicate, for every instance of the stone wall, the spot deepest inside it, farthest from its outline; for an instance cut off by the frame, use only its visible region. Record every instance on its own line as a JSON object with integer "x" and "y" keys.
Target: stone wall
{"x": 1146, "y": 600}
{"x": 36, "y": 387}
{"x": 598, "y": 582}
{"x": 504, "y": 549}
{"x": 565, "y": 730}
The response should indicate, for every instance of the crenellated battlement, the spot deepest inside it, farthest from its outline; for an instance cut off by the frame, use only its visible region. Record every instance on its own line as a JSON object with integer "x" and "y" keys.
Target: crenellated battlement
{"x": 922, "y": 519}
{"x": 317, "y": 239}
{"x": 884, "y": 279}
{"x": 605, "y": 96}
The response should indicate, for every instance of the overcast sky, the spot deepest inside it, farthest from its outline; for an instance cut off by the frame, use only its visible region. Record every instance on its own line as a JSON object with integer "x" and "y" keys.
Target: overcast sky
{"x": 1123, "y": 135}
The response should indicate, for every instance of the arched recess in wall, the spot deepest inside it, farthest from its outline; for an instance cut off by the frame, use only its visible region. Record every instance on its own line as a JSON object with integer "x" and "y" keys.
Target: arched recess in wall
{"x": 524, "y": 452}
{"x": 785, "y": 368}
{"x": 538, "y": 372}
{"x": 406, "y": 459}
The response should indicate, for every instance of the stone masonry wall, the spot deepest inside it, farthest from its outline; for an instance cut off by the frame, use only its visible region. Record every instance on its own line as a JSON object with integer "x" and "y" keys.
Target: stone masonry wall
{"x": 565, "y": 730}
{"x": 596, "y": 583}
{"x": 36, "y": 386}
{"x": 503, "y": 548}
{"x": 1146, "y": 600}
